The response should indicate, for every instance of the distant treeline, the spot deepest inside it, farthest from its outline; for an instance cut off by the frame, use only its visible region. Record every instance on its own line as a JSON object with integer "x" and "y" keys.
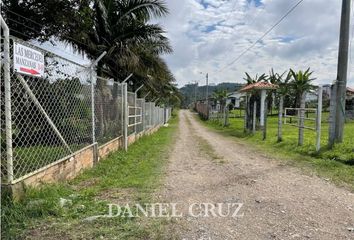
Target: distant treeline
{"x": 188, "y": 91}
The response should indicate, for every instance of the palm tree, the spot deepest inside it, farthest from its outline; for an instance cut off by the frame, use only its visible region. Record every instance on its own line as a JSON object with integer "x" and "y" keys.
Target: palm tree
{"x": 274, "y": 78}
{"x": 256, "y": 79}
{"x": 221, "y": 96}
{"x": 282, "y": 91}
{"x": 301, "y": 84}
{"x": 122, "y": 28}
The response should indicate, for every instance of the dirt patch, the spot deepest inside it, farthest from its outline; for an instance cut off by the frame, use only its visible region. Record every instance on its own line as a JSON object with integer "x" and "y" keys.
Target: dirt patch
{"x": 279, "y": 201}
{"x": 120, "y": 196}
{"x": 86, "y": 183}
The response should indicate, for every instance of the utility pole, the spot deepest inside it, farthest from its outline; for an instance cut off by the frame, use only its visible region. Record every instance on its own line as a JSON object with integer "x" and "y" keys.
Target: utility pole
{"x": 338, "y": 113}
{"x": 195, "y": 91}
{"x": 207, "y": 94}
{"x": 207, "y": 87}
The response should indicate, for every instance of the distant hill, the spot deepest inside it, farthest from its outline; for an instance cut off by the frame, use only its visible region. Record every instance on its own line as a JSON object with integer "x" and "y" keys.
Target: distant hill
{"x": 188, "y": 91}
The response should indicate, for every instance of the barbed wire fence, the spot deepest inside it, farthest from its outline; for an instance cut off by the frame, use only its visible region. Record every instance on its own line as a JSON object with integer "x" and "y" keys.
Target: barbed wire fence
{"x": 46, "y": 119}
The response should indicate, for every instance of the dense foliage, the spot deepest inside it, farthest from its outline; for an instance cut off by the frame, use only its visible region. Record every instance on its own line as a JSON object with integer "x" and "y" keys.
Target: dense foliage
{"x": 122, "y": 28}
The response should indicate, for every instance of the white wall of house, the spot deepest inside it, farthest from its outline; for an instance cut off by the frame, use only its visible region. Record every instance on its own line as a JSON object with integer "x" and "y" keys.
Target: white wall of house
{"x": 237, "y": 97}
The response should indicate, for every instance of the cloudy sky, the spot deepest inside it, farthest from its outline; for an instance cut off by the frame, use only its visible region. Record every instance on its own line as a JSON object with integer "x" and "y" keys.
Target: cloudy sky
{"x": 207, "y": 35}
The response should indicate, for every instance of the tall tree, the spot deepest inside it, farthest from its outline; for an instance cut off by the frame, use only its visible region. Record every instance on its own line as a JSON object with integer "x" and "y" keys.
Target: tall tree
{"x": 255, "y": 79}
{"x": 274, "y": 78}
{"x": 122, "y": 28}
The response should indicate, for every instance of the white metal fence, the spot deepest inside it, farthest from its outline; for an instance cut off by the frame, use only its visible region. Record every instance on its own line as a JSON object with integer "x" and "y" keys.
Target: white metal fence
{"x": 43, "y": 120}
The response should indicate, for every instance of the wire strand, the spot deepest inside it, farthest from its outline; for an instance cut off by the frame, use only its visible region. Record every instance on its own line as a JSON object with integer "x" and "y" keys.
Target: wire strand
{"x": 263, "y": 36}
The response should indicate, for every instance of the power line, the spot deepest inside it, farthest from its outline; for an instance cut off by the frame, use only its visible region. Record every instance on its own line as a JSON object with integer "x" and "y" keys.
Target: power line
{"x": 263, "y": 36}
{"x": 67, "y": 37}
{"x": 42, "y": 26}
{"x": 30, "y": 37}
{"x": 38, "y": 24}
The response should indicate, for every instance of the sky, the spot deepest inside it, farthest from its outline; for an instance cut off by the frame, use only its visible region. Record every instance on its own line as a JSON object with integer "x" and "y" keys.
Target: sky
{"x": 207, "y": 35}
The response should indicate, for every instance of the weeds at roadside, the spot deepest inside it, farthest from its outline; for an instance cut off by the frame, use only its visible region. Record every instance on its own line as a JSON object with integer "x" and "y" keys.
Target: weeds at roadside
{"x": 39, "y": 214}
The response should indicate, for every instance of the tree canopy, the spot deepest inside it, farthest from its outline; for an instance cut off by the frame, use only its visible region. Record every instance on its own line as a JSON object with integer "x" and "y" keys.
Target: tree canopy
{"x": 122, "y": 28}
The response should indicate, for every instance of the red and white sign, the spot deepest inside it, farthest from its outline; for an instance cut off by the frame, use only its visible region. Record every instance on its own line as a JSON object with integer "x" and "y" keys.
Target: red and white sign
{"x": 28, "y": 61}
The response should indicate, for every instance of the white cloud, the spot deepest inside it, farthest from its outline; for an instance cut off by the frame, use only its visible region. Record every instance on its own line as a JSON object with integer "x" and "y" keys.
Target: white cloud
{"x": 208, "y": 34}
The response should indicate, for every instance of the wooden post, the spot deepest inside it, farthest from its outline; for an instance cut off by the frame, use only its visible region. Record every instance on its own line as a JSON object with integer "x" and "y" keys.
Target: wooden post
{"x": 226, "y": 120}
{"x": 332, "y": 116}
{"x": 302, "y": 119}
{"x": 254, "y": 117}
{"x": 319, "y": 119}
{"x": 280, "y": 118}
{"x": 245, "y": 116}
{"x": 265, "y": 121}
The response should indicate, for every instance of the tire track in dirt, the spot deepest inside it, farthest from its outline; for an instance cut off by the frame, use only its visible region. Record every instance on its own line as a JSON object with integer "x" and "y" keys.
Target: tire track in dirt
{"x": 279, "y": 201}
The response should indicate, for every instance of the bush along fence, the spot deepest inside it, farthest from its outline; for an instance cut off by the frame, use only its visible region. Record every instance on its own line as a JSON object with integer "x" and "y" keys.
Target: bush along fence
{"x": 58, "y": 117}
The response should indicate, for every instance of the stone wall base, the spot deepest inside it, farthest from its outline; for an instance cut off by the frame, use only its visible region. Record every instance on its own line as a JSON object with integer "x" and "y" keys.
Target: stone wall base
{"x": 69, "y": 167}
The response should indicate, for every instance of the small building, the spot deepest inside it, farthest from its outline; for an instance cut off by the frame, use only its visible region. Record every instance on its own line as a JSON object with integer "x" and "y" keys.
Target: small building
{"x": 349, "y": 103}
{"x": 235, "y": 98}
{"x": 250, "y": 89}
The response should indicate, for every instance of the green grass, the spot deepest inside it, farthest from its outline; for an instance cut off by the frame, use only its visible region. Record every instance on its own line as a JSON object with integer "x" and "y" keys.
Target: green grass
{"x": 335, "y": 164}
{"x": 133, "y": 175}
{"x": 29, "y": 159}
{"x": 238, "y": 112}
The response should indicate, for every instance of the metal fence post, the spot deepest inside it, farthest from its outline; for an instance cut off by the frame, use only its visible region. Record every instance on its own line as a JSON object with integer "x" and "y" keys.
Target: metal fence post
{"x": 126, "y": 120}
{"x": 122, "y": 108}
{"x": 151, "y": 114}
{"x": 319, "y": 119}
{"x": 92, "y": 68}
{"x": 8, "y": 117}
{"x": 93, "y": 105}
{"x": 143, "y": 114}
{"x": 93, "y": 120}
{"x": 135, "y": 113}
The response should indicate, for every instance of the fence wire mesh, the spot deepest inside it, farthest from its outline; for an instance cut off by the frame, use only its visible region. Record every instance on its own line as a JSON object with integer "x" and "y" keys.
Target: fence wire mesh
{"x": 52, "y": 116}
{"x": 140, "y": 103}
{"x": 131, "y": 112}
{"x": 108, "y": 110}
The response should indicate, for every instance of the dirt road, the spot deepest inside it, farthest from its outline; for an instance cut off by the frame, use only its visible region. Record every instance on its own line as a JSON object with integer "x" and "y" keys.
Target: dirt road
{"x": 279, "y": 201}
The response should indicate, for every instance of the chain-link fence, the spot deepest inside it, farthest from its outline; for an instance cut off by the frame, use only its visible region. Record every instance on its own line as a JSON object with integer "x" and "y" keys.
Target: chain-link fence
{"x": 140, "y": 104}
{"x": 46, "y": 119}
{"x": 50, "y": 116}
{"x": 109, "y": 110}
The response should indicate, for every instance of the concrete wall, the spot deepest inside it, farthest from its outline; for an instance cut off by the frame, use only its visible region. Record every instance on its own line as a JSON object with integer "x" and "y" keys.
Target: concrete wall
{"x": 109, "y": 147}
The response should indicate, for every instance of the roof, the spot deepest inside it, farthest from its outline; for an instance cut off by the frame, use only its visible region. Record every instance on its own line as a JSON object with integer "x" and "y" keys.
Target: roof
{"x": 349, "y": 89}
{"x": 259, "y": 86}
